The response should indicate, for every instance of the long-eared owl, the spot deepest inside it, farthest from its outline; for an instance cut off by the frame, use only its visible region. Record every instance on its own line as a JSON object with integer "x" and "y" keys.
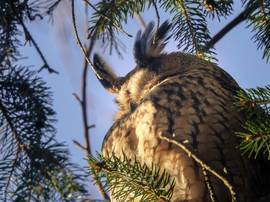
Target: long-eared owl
{"x": 188, "y": 98}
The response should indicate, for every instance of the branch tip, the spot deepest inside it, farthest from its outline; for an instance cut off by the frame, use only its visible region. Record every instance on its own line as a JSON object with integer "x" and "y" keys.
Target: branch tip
{"x": 78, "y": 144}
{"x": 91, "y": 126}
{"x": 76, "y": 97}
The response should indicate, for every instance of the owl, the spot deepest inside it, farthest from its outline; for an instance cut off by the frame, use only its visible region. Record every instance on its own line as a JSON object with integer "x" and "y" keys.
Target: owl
{"x": 188, "y": 98}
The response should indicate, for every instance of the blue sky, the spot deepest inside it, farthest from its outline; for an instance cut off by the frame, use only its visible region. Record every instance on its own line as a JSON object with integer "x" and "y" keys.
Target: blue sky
{"x": 236, "y": 52}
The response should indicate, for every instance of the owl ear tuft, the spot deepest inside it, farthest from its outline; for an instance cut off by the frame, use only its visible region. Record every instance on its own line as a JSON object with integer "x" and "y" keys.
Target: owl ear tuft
{"x": 144, "y": 49}
{"x": 109, "y": 80}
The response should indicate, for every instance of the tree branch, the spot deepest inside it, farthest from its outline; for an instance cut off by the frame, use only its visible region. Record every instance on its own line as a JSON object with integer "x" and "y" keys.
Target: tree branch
{"x": 29, "y": 37}
{"x": 157, "y": 15}
{"x": 79, "y": 42}
{"x": 203, "y": 162}
{"x": 209, "y": 184}
{"x": 190, "y": 29}
{"x": 128, "y": 35}
{"x": 237, "y": 20}
{"x": 83, "y": 102}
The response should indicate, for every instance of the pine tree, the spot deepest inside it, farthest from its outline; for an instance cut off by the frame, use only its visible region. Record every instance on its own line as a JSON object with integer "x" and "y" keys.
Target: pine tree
{"x": 33, "y": 166}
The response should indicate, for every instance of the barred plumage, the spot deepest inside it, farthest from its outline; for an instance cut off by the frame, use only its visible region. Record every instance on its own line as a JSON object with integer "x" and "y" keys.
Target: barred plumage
{"x": 189, "y": 98}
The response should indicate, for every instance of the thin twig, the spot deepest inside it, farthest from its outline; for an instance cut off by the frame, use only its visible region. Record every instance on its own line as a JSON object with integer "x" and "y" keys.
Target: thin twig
{"x": 209, "y": 185}
{"x": 140, "y": 20}
{"x": 85, "y": 16}
{"x": 12, "y": 170}
{"x": 91, "y": 126}
{"x": 79, "y": 42}
{"x": 78, "y": 145}
{"x": 203, "y": 162}
{"x": 157, "y": 15}
{"x": 29, "y": 37}
{"x": 76, "y": 97}
{"x": 83, "y": 102}
{"x": 254, "y": 103}
{"x": 264, "y": 15}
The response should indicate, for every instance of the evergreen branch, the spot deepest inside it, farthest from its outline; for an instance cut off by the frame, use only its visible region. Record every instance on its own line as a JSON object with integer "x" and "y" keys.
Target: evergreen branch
{"x": 117, "y": 11}
{"x": 255, "y": 103}
{"x": 218, "y": 8}
{"x": 103, "y": 16}
{"x": 190, "y": 28}
{"x": 263, "y": 13}
{"x": 257, "y": 142}
{"x": 36, "y": 163}
{"x": 127, "y": 179}
{"x": 258, "y": 135}
{"x": 259, "y": 18}
{"x": 13, "y": 129}
{"x": 88, "y": 36}
{"x": 204, "y": 163}
{"x": 12, "y": 170}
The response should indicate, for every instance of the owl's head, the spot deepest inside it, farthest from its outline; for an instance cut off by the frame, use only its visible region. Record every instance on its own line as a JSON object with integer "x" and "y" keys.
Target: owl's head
{"x": 152, "y": 67}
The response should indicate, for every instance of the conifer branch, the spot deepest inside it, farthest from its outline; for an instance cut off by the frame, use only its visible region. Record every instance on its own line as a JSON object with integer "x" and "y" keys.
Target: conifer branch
{"x": 119, "y": 176}
{"x": 259, "y": 18}
{"x": 255, "y": 103}
{"x": 12, "y": 170}
{"x": 263, "y": 13}
{"x": 34, "y": 158}
{"x": 104, "y": 16}
{"x": 128, "y": 179}
{"x": 190, "y": 28}
{"x": 13, "y": 129}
